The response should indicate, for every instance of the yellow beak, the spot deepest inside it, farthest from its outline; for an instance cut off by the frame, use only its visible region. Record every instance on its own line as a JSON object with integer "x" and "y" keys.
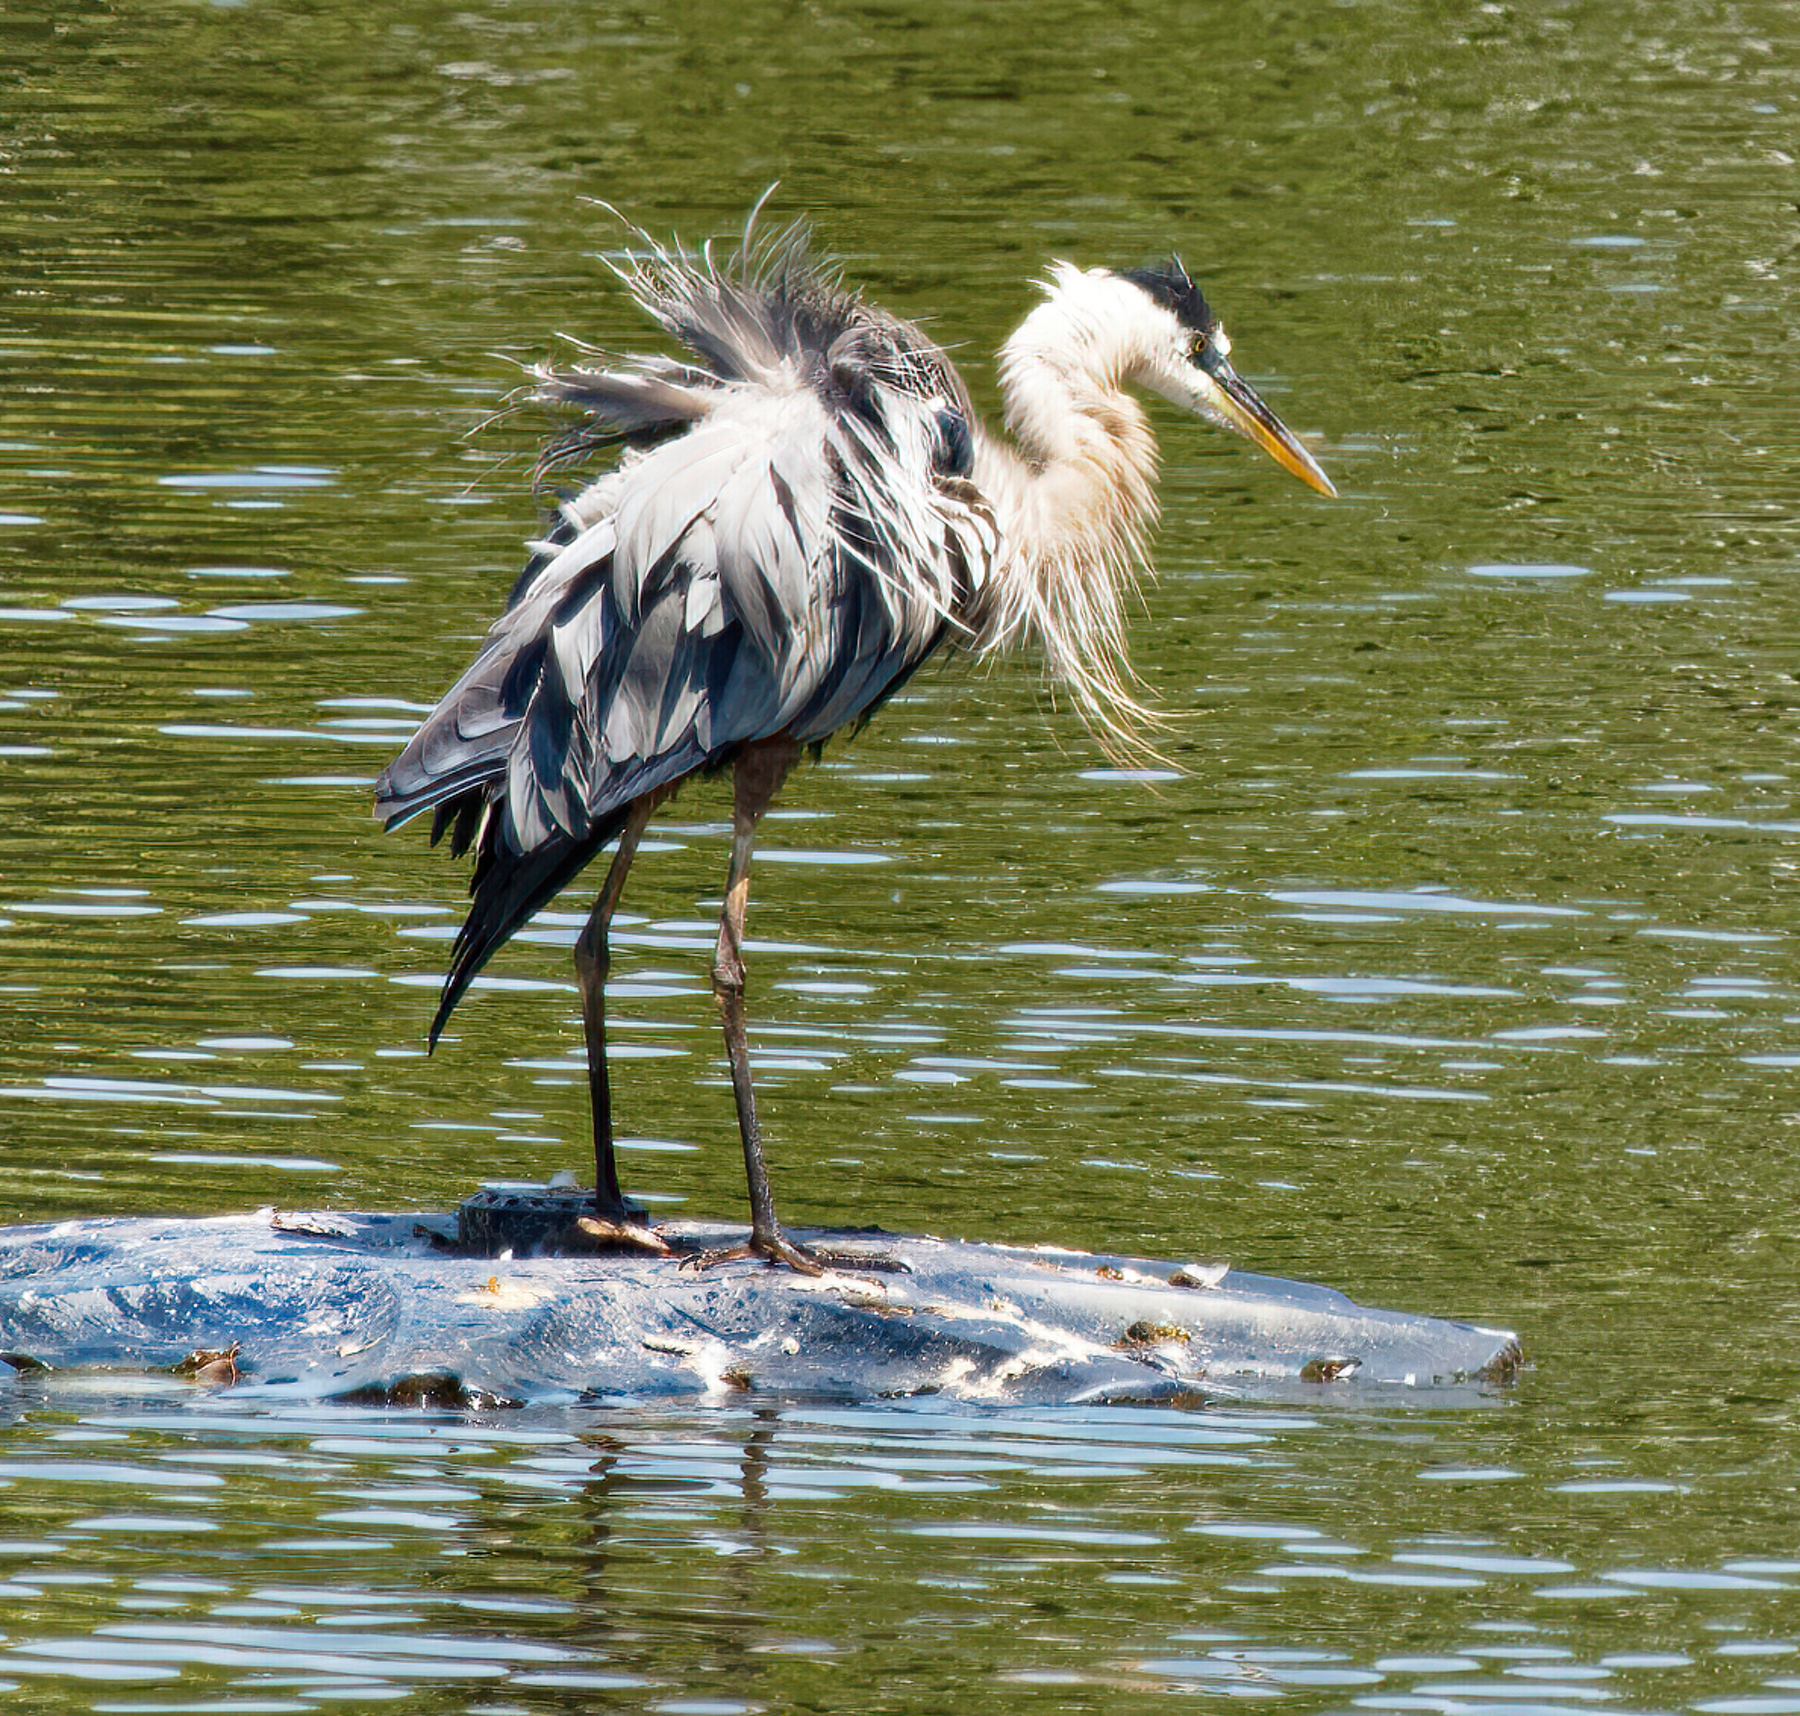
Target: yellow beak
{"x": 1242, "y": 409}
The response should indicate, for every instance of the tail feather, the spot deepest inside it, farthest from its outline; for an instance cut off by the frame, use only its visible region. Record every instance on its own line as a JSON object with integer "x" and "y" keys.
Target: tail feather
{"x": 510, "y": 886}
{"x": 461, "y": 817}
{"x": 505, "y": 894}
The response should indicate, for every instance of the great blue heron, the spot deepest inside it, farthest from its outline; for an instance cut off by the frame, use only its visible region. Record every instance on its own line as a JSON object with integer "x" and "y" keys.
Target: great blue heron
{"x": 806, "y": 508}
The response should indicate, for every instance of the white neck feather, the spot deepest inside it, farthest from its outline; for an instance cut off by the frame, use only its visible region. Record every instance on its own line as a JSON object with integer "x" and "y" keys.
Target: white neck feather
{"x": 1075, "y": 495}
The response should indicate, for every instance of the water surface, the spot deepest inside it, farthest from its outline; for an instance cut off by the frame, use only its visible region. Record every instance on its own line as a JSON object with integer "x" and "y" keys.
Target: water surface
{"x": 1448, "y": 961}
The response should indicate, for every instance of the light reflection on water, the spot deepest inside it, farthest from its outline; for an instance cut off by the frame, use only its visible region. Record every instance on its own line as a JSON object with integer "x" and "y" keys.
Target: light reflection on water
{"x": 1449, "y": 961}
{"x": 339, "y": 1554}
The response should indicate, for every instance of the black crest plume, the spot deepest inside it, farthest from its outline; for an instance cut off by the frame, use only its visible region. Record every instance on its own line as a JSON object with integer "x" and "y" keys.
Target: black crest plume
{"x": 1168, "y": 283}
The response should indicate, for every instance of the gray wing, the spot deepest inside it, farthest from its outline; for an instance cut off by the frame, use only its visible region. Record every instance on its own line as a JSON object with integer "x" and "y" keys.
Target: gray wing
{"x": 796, "y": 544}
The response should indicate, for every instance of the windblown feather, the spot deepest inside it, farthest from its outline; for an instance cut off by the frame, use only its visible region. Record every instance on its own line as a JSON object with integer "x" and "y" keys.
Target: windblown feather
{"x": 788, "y": 535}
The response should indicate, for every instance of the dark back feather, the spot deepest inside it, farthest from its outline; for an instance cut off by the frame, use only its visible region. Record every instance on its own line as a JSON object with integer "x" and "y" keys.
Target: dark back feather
{"x": 786, "y": 537}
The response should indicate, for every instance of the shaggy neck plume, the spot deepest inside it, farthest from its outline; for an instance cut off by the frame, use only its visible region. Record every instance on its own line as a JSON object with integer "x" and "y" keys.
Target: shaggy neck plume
{"x": 1075, "y": 495}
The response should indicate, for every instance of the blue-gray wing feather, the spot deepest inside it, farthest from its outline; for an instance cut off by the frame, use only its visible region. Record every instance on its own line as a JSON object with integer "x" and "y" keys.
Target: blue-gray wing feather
{"x": 787, "y": 537}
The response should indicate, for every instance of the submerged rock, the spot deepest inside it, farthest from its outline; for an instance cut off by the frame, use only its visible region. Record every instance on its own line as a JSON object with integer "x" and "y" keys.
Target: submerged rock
{"x": 394, "y": 1308}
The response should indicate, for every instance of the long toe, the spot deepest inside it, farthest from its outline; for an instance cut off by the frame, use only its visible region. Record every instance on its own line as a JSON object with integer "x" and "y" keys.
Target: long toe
{"x": 625, "y": 1235}
{"x": 772, "y": 1249}
{"x": 777, "y": 1250}
{"x": 882, "y": 1262}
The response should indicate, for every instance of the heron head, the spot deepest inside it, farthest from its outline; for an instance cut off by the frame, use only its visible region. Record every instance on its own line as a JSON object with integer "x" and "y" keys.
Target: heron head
{"x": 1188, "y": 361}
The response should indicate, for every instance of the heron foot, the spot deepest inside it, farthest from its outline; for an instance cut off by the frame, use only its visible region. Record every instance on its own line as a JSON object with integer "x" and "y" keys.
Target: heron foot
{"x": 772, "y": 1249}
{"x": 777, "y": 1249}
{"x": 632, "y": 1233}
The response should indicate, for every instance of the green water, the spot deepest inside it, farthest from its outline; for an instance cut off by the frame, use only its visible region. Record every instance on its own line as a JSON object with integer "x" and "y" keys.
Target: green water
{"x": 1451, "y": 963}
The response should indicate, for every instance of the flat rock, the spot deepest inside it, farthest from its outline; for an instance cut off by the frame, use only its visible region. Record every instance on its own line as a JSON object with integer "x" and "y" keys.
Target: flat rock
{"x": 386, "y": 1308}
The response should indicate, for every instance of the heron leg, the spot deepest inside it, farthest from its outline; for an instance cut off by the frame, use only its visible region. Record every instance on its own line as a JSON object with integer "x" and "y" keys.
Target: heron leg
{"x": 760, "y": 771}
{"x": 615, "y": 1216}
